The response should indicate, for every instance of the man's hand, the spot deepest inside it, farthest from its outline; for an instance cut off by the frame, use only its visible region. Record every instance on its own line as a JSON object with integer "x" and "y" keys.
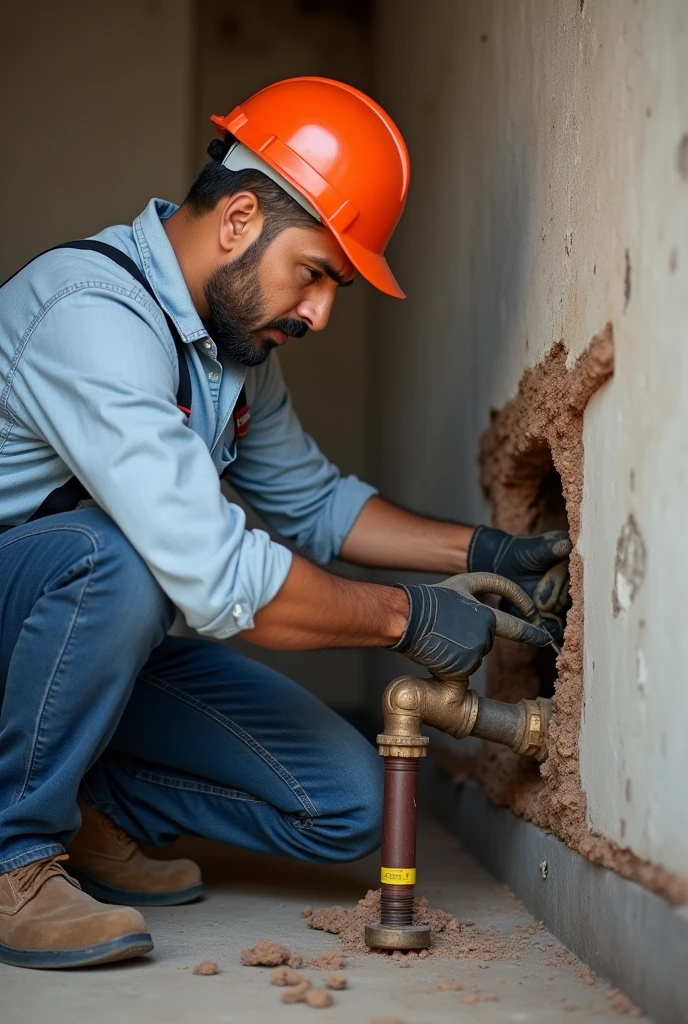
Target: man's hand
{"x": 450, "y": 633}
{"x": 538, "y": 564}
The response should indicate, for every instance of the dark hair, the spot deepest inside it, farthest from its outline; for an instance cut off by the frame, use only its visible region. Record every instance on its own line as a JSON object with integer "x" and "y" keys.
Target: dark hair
{"x": 215, "y": 183}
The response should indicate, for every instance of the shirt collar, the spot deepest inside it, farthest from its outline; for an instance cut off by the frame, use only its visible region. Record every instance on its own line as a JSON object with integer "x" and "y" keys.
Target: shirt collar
{"x": 163, "y": 271}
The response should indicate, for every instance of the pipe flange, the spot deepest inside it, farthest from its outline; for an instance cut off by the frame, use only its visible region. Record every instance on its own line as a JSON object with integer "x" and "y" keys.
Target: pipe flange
{"x": 390, "y": 745}
{"x": 405, "y": 936}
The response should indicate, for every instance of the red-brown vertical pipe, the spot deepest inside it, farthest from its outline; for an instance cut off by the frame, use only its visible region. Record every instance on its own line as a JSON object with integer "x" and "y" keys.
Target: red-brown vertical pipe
{"x": 399, "y": 840}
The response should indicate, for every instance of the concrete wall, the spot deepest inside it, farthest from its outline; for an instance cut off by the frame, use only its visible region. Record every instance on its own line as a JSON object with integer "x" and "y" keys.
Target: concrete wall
{"x": 95, "y": 119}
{"x": 549, "y": 194}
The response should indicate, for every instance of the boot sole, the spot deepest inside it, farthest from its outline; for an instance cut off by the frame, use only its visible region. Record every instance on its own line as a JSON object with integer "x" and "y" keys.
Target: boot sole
{"x": 123, "y": 948}
{"x": 108, "y": 894}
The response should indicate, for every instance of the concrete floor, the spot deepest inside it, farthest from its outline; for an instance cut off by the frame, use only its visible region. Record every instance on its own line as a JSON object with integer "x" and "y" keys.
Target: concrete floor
{"x": 251, "y": 896}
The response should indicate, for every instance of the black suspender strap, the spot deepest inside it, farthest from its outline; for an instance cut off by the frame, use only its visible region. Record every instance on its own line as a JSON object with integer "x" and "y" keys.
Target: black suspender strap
{"x": 66, "y": 497}
{"x": 127, "y": 263}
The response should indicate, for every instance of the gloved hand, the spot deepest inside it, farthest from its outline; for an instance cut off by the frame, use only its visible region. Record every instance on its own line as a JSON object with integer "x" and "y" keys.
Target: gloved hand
{"x": 538, "y": 564}
{"x": 450, "y": 633}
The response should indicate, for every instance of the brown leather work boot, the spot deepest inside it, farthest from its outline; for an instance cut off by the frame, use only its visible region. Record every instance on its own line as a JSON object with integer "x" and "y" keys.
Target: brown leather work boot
{"x": 110, "y": 866}
{"x": 47, "y": 921}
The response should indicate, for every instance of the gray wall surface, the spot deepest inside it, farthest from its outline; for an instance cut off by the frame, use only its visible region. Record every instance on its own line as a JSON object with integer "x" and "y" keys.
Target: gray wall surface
{"x": 549, "y": 195}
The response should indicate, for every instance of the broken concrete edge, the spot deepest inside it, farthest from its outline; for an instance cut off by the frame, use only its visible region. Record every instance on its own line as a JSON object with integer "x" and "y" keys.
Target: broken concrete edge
{"x": 540, "y": 428}
{"x": 631, "y": 937}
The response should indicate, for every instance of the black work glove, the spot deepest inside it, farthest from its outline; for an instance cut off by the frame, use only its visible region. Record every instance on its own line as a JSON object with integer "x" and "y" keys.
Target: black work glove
{"x": 538, "y": 564}
{"x": 450, "y": 633}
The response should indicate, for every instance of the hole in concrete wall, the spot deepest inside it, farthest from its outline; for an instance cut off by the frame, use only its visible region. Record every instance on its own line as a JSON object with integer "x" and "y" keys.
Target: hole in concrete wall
{"x": 549, "y": 514}
{"x": 531, "y": 458}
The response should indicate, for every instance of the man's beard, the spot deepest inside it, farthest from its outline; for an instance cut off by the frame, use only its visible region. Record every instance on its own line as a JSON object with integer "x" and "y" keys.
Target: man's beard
{"x": 237, "y": 305}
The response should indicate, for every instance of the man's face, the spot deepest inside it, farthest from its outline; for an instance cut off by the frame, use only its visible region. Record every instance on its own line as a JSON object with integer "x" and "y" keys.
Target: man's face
{"x": 269, "y": 294}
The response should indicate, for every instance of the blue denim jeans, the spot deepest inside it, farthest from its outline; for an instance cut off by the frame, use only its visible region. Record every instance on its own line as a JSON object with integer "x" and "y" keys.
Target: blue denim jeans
{"x": 168, "y": 736}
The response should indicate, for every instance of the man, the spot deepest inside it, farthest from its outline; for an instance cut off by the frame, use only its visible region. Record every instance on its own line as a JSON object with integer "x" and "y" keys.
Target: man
{"x": 136, "y": 370}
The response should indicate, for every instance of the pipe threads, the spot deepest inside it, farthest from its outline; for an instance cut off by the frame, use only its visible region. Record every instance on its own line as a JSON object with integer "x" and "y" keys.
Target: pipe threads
{"x": 396, "y": 905}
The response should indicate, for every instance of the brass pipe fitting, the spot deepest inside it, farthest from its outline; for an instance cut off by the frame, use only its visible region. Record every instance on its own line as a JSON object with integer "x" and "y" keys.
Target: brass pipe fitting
{"x": 448, "y": 705}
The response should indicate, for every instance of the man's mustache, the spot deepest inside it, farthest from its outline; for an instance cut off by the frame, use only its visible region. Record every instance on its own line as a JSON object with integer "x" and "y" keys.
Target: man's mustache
{"x": 292, "y": 328}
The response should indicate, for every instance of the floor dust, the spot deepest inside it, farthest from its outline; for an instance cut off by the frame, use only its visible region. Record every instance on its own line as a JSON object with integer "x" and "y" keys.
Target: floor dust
{"x": 475, "y": 997}
{"x": 449, "y": 936}
{"x": 267, "y": 953}
{"x": 206, "y": 968}
{"x": 543, "y": 425}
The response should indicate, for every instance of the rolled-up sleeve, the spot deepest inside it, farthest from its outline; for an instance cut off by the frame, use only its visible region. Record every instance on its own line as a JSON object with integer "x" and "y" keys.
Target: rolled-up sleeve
{"x": 284, "y": 476}
{"x": 97, "y": 384}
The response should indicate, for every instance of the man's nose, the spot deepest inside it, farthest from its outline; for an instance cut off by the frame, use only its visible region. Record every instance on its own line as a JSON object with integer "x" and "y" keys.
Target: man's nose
{"x": 315, "y": 312}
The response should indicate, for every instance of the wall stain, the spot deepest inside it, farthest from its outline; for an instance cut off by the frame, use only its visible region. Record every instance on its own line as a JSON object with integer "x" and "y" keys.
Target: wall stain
{"x": 627, "y": 279}
{"x": 682, "y": 156}
{"x": 629, "y": 567}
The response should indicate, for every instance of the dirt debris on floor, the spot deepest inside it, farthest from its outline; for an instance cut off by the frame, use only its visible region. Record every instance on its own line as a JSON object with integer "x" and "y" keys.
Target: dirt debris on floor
{"x": 297, "y": 993}
{"x": 206, "y": 968}
{"x": 621, "y": 1004}
{"x": 328, "y": 960}
{"x": 318, "y": 998}
{"x": 336, "y": 982}
{"x": 450, "y": 937}
{"x": 284, "y": 975}
{"x": 268, "y": 953}
{"x": 298, "y": 988}
{"x": 477, "y": 996}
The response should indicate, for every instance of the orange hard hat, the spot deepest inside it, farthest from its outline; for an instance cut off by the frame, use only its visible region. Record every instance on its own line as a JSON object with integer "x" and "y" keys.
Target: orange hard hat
{"x": 341, "y": 152}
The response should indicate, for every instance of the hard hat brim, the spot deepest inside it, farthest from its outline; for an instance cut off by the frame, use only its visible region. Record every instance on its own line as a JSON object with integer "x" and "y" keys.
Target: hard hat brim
{"x": 373, "y": 267}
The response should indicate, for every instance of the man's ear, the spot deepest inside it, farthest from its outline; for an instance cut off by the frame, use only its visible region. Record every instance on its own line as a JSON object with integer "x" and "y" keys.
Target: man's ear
{"x": 241, "y": 222}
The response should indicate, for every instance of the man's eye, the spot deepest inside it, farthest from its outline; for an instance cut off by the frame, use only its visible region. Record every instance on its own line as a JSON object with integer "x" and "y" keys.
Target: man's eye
{"x": 314, "y": 275}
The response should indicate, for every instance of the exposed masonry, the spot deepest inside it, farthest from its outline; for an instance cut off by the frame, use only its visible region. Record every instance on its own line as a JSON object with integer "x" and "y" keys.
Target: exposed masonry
{"x": 543, "y": 426}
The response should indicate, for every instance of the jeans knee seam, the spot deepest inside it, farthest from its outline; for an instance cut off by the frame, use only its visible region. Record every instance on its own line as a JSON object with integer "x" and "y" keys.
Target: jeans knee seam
{"x": 207, "y": 788}
{"x": 241, "y": 734}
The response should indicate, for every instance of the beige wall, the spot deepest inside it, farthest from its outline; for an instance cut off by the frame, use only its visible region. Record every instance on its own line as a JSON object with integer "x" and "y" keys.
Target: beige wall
{"x": 95, "y": 116}
{"x": 548, "y": 141}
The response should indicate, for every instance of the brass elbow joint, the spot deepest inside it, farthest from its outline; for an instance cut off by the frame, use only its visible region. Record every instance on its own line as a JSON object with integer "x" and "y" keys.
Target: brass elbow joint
{"x": 409, "y": 702}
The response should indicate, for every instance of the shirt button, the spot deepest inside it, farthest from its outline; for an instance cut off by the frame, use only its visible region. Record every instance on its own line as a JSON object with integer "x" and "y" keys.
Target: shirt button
{"x": 207, "y": 344}
{"x": 214, "y": 375}
{"x": 237, "y": 611}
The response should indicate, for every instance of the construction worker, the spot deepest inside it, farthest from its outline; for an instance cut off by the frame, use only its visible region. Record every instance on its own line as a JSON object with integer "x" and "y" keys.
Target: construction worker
{"x": 136, "y": 369}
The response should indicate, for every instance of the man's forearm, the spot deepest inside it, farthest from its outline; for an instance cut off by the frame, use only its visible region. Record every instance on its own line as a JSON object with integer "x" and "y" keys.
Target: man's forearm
{"x": 388, "y": 537}
{"x": 316, "y": 610}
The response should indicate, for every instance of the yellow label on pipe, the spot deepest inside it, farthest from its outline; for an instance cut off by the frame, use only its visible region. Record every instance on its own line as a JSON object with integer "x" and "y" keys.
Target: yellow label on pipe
{"x": 398, "y": 876}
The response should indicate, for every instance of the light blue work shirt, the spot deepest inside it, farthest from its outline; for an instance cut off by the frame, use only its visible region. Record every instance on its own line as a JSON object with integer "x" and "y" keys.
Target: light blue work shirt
{"x": 88, "y": 382}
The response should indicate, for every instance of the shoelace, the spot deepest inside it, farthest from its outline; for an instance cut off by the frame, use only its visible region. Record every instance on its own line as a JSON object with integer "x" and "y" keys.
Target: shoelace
{"x": 39, "y": 871}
